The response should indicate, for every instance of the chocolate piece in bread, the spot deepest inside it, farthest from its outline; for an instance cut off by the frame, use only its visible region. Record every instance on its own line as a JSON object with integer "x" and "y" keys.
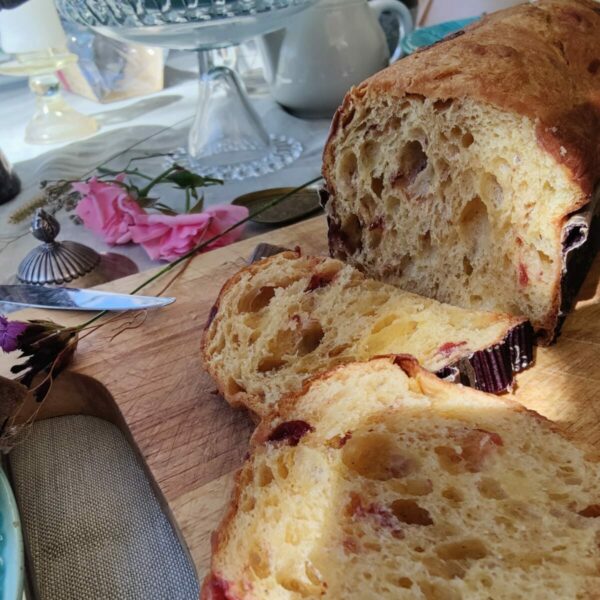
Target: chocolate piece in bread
{"x": 581, "y": 242}
{"x": 492, "y": 370}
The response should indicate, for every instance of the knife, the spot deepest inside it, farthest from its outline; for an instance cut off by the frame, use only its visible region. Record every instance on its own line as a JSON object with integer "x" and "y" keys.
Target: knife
{"x": 62, "y": 298}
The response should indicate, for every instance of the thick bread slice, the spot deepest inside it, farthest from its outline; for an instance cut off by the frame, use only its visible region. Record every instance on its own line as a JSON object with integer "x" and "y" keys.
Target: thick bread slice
{"x": 467, "y": 172}
{"x": 288, "y": 317}
{"x": 379, "y": 480}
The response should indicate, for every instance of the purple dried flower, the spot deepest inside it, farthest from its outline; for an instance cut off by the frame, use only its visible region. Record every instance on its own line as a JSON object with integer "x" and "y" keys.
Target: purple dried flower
{"x": 9, "y": 333}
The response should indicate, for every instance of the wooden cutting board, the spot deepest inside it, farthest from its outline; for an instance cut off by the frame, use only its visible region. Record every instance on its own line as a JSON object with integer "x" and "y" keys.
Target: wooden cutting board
{"x": 150, "y": 381}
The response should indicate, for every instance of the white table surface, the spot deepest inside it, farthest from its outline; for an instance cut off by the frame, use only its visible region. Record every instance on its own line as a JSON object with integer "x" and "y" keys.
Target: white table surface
{"x": 155, "y": 123}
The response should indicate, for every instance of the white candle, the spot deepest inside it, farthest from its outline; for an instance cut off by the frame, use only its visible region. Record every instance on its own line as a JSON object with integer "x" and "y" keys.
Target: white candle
{"x": 31, "y": 27}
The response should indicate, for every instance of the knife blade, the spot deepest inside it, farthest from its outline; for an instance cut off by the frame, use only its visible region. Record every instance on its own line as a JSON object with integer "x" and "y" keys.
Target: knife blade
{"x": 62, "y": 298}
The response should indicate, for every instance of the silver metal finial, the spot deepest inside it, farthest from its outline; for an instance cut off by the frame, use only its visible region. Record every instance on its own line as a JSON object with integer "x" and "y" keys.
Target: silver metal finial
{"x": 52, "y": 262}
{"x": 44, "y": 226}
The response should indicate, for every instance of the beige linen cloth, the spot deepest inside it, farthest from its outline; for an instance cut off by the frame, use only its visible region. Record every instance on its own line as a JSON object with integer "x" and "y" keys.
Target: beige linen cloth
{"x": 93, "y": 528}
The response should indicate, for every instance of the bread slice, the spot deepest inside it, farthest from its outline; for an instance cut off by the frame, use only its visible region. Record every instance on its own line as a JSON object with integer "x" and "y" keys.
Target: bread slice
{"x": 379, "y": 480}
{"x": 283, "y": 319}
{"x": 468, "y": 172}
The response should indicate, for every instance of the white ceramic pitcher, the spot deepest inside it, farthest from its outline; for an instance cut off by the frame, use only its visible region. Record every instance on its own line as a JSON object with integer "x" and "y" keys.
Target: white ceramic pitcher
{"x": 327, "y": 49}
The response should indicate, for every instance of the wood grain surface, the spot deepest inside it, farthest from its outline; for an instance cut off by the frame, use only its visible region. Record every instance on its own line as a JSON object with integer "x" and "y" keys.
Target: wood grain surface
{"x": 150, "y": 381}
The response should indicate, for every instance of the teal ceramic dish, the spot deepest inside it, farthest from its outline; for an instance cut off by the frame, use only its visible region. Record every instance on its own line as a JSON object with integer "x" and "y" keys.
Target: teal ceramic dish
{"x": 429, "y": 35}
{"x": 11, "y": 544}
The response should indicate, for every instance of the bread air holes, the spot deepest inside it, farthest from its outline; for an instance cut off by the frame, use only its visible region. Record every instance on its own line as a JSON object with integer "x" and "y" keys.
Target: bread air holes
{"x": 351, "y": 233}
{"x": 441, "y": 106}
{"x": 258, "y": 560}
{"x": 425, "y": 242}
{"x": 491, "y": 489}
{"x": 347, "y": 168}
{"x": 409, "y": 512}
{"x": 388, "y": 334}
{"x": 412, "y": 486}
{"x": 369, "y": 153}
{"x": 263, "y": 475}
{"x": 288, "y": 344}
{"x": 467, "y": 140}
{"x": 404, "y": 582}
{"x": 305, "y": 589}
{"x": 444, "y": 569}
{"x": 438, "y": 591}
{"x": 467, "y": 266}
{"x": 256, "y": 300}
{"x": 473, "y": 223}
{"x": 374, "y": 237}
{"x": 270, "y": 363}
{"x": 491, "y": 191}
{"x": 377, "y": 185}
{"x": 313, "y": 574}
{"x": 453, "y": 494}
{"x": 311, "y": 337}
{"x": 376, "y": 456}
{"x": 233, "y": 387}
{"x": 467, "y": 549}
{"x": 411, "y": 161}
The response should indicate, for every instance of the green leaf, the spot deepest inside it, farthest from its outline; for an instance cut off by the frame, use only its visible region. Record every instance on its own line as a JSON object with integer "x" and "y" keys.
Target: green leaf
{"x": 186, "y": 179}
{"x": 198, "y": 207}
{"x": 145, "y": 201}
{"x": 164, "y": 209}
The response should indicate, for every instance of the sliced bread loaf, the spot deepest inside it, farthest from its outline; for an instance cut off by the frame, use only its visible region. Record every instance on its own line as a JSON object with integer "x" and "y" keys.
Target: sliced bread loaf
{"x": 379, "y": 480}
{"x": 288, "y": 317}
{"x": 467, "y": 172}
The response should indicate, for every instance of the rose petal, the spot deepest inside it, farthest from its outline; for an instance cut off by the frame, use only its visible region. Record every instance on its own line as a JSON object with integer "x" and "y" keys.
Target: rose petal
{"x": 107, "y": 209}
{"x": 167, "y": 237}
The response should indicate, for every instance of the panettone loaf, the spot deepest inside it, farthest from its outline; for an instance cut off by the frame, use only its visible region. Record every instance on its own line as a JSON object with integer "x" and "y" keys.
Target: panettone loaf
{"x": 467, "y": 172}
{"x": 285, "y": 318}
{"x": 381, "y": 481}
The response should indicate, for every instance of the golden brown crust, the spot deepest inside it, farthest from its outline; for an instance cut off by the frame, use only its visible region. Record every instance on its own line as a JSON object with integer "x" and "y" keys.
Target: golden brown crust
{"x": 540, "y": 60}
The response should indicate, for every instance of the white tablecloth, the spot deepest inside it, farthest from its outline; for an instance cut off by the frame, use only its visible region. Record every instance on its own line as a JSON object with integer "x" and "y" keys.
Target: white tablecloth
{"x": 156, "y": 123}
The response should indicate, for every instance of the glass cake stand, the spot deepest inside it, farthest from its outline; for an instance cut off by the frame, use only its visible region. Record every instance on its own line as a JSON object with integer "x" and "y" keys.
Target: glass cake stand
{"x": 227, "y": 138}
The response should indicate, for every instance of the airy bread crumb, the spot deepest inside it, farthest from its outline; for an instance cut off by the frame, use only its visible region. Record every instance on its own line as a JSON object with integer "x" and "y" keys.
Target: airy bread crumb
{"x": 381, "y": 481}
{"x": 282, "y": 320}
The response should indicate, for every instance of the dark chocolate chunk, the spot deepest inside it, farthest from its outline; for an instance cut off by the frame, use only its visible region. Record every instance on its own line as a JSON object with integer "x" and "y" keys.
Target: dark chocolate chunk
{"x": 489, "y": 370}
{"x": 520, "y": 344}
{"x": 492, "y": 369}
{"x": 580, "y": 245}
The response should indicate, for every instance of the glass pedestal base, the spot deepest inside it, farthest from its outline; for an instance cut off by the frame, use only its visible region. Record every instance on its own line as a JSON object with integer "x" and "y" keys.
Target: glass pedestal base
{"x": 242, "y": 162}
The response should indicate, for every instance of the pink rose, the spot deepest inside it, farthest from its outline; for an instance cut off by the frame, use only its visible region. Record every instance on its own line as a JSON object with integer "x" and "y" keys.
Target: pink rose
{"x": 167, "y": 237}
{"x": 107, "y": 209}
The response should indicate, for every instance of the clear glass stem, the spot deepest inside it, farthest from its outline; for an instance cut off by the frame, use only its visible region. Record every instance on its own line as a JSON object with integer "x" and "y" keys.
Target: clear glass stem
{"x": 228, "y": 139}
{"x": 54, "y": 120}
{"x": 226, "y": 123}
